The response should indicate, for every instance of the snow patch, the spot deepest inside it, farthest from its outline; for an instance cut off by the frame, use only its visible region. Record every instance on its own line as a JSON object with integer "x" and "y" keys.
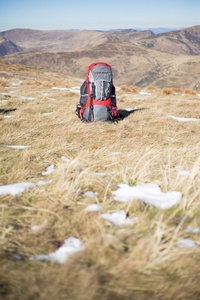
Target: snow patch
{"x": 6, "y": 73}
{"x": 6, "y": 94}
{"x": 184, "y": 119}
{"x": 184, "y": 172}
{"x": 90, "y": 194}
{"x": 118, "y": 218}
{"x": 191, "y": 229}
{"x": 59, "y": 88}
{"x": 16, "y": 188}
{"x": 97, "y": 174}
{"x": 16, "y": 83}
{"x": 26, "y": 77}
{"x": 178, "y": 167}
{"x": 65, "y": 159}
{"x": 71, "y": 246}
{"x": 145, "y": 93}
{"x": 115, "y": 153}
{"x": 149, "y": 194}
{"x": 106, "y": 181}
{"x": 8, "y": 117}
{"x": 47, "y": 114}
{"x": 10, "y": 87}
{"x": 186, "y": 243}
{"x": 129, "y": 109}
{"x": 17, "y": 257}
{"x": 16, "y": 146}
{"x": 181, "y": 171}
{"x": 35, "y": 228}
{"x": 27, "y": 98}
{"x": 93, "y": 207}
{"x": 49, "y": 170}
{"x": 73, "y": 89}
{"x": 41, "y": 182}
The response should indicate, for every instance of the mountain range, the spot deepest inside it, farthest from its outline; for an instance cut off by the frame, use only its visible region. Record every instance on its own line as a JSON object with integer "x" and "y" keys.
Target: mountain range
{"x": 157, "y": 30}
{"x": 169, "y": 59}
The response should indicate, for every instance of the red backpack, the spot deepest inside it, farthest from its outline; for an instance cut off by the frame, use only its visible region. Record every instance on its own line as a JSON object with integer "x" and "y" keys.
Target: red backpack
{"x": 98, "y": 99}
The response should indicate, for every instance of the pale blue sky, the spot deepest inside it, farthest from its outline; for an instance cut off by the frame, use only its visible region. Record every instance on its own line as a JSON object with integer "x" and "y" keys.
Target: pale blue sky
{"x": 104, "y": 14}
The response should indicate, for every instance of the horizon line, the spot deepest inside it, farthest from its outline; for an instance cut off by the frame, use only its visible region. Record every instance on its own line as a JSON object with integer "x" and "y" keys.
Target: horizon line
{"x": 98, "y": 29}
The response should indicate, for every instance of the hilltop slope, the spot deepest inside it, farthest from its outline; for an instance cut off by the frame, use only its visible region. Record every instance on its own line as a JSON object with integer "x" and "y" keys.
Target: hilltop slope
{"x": 184, "y": 41}
{"x": 131, "y": 64}
{"x": 7, "y": 47}
{"x": 64, "y": 40}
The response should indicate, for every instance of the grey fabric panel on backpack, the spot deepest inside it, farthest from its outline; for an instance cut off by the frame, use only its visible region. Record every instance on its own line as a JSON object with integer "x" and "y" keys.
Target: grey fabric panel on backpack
{"x": 100, "y": 72}
{"x": 102, "y": 113}
{"x": 87, "y": 116}
{"x": 101, "y": 75}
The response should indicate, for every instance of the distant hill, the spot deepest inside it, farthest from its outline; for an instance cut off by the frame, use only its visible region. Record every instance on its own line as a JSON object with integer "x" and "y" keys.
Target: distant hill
{"x": 8, "y": 47}
{"x": 169, "y": 59}
{"x": 159, "y": 29}
{"x": 58, "y": 40}
{"x": 65, "y": 40}
{"x": 184, "y": 41}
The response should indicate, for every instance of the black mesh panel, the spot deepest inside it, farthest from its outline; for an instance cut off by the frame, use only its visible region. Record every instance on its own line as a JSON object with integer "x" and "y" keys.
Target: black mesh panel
{"x": 84, "y": 94}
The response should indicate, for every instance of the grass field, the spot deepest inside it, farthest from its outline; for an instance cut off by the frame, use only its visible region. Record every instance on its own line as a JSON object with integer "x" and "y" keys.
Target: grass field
{"x": 141, "y": 260}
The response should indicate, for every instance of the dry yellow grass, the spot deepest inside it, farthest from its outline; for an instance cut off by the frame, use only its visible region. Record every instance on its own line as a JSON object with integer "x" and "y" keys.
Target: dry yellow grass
{"x": 151, "y": 88}
{"x": 167, "y": 91}
{"x": 189, "y": 92}
{"x": 3, "y": 83}
{"x": 170, "y": 91}
{"x": 138, "y": 261}
{"x": 129, "y": 89}
{"x": 177, "y": 90}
